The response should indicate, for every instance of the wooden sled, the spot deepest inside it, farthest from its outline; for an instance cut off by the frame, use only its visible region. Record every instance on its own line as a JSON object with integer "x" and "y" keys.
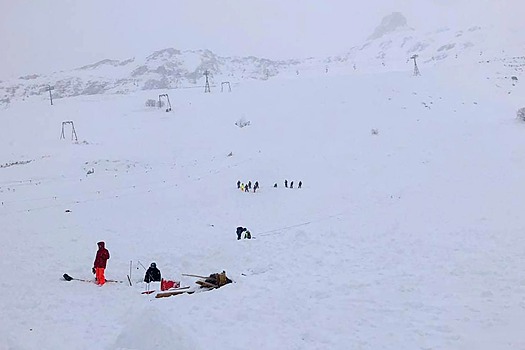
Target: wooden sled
{"x": 170, "y": 293}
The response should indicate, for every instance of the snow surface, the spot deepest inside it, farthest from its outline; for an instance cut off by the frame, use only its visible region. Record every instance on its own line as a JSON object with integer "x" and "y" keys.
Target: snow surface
{"x": 411, "y": 238}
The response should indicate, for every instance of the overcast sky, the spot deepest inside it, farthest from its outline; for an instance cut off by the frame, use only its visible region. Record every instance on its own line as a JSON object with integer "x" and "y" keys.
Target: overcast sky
{"x": 40, "y": 36}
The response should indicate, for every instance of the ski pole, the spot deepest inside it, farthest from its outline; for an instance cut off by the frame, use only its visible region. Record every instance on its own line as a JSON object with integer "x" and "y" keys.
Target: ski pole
{"x": 145, "y": 269}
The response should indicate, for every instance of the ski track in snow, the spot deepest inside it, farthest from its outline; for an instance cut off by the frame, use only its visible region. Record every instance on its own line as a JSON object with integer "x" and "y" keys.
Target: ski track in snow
{"x": 408, "y": 239}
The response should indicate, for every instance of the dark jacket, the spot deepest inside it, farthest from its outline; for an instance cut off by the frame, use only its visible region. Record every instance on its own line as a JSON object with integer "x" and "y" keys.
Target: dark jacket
{"x": 152, "y": 275}
{"x": 239, "y": 231}
{"x": 102, "y": 256}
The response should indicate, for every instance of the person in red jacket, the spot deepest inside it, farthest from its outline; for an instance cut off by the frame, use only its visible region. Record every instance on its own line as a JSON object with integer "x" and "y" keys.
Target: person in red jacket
{"x": 100, "y": 263}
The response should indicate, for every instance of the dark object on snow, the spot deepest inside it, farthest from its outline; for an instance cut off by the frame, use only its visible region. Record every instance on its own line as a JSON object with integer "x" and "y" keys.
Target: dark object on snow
{"x": 152, "y": 274}
{"x": 291, "y": 184}
{"x": 238, "y": 184}
{"x": 69, "y": 278}
{"x": 239, "y": 232}
{"x": 275, "y": 185}
{"x": 286, "y": 183}
{"x": 300, "y": 184}
{"x": 249, "y": 185}
{"x": 255, "y": 186}
{"x": 217, "y": 280}
{"x": 246, "y": 189}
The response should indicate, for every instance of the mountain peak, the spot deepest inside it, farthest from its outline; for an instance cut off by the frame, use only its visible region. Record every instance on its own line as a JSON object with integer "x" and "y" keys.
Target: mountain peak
{"x": 391, "y": 23}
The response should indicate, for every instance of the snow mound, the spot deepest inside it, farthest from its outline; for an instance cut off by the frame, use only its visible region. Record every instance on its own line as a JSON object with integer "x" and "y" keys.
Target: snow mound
{"x": 391, "y": 23}
{"x": 147, "y": 330}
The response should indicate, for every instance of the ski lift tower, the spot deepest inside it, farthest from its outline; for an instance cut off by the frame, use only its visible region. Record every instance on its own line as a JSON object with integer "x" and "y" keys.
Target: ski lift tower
{"x": 416, "y": 69}
{"x": 49, "y": 88}
{"x": 207, "y": 86}
{"x": 168, "y": 108}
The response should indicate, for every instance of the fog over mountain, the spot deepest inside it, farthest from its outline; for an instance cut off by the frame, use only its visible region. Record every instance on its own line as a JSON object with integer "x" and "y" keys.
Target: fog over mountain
{"x": 395, "y": 21}
{"x": 389, "y": 46}
{"x": 47, "y": 36}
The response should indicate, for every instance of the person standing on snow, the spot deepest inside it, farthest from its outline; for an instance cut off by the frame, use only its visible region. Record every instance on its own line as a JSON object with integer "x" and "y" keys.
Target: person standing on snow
{"x": 153, "y": 274}
{"x": 100, "y": 263}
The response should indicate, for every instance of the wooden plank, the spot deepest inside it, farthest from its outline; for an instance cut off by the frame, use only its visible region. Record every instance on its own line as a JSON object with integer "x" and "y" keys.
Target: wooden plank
{"x": 175, "y": 292}
{"x": 206, "y": 284}
{"x": 189, "y": 275}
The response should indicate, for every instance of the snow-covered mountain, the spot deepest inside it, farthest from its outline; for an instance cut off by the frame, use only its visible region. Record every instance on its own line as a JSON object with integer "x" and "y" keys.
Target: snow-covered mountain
{"x": 168, "y": 68}
{"x": 388, "y": 48}
{"x": 393, "y": 42}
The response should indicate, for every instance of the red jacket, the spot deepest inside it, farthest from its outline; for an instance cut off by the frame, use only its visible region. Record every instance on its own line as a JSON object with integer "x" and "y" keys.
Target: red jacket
{"x": 102, "y": 256}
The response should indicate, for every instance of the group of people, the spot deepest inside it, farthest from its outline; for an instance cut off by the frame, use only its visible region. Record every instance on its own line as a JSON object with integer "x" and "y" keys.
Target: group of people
{"x": 248, "y": 186}
{"x": 299, "y": 185}
{"x": 100, "y": 263}
{"x": 243, "y": 232}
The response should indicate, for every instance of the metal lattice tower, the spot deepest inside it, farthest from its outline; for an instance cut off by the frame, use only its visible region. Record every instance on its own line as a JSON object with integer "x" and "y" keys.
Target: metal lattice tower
{"x": 207, "y": 86}
{"x": 416, "y": 69}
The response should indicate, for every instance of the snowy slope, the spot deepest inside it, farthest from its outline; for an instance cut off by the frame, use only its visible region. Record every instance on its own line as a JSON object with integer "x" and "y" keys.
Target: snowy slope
{"x": 408, "y": 239}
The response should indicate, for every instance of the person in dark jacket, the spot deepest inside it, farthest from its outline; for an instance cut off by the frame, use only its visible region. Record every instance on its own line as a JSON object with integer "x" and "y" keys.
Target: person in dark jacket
{"x": 99, "y": 266}
{"x": 239, "y": 231}
{"x": 152, "y": 274}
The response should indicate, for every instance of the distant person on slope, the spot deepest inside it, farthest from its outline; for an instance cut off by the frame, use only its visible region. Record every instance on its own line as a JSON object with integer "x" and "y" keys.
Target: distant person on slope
{"x": 239, "y": 232}
{"x": 152, "y": 274}
{"x": 100, "y": 263}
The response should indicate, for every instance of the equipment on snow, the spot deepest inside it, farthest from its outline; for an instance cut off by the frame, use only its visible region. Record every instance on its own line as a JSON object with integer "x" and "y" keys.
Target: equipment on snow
{"x": 69, "y": 278}
{"x": 215, "y": 280}
{"x": 167, "y": 284}
{"x": 178, "y": 291}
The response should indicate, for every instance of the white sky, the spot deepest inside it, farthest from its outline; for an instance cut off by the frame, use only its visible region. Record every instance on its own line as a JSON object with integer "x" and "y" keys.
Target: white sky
{"x": 39, "y": 36}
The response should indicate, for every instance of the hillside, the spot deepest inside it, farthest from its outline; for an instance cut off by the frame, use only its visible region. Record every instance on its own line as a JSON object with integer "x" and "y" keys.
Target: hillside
{"x": 407, "y": 233}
